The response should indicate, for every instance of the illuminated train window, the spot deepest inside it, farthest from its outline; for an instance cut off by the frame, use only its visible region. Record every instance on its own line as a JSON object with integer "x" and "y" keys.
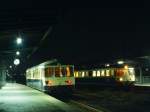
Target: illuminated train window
{"x": 49, "y": 71}
{"x": 68, "y": 71}
{"x": 83, "y": 74}
{"x": 80, "y": 74}
{"x": 131, "y": 71}
{"x": 107, "y": 72}
{"x": 31, "y": 74}
{"x": 35, "y": 74}
{"x": 86, "y": 74}
{"x": 64, "y": 72}
{"x": 102, "y": 72}
{"x": 76, "y": 74}
{"x": 112, "y": 72}
{"x": 94, "y": 73}
{"x": 98, "y": 73}
{"x": 57, "y": 72}
{"x": 119, "y": 72}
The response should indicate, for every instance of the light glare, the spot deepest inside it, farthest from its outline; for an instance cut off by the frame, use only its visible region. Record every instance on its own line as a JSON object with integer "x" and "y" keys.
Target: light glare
{"x": 120, "y": 62}
{"x": 10, "y": 66}
{"x": 126, "y": 66}
{"x": 121, "y": 79}
{"x": 19, "y": 40}
{"x": 17, "y": 53}
{"x": 16, "y": 61}
{"x": 107, "y": 65}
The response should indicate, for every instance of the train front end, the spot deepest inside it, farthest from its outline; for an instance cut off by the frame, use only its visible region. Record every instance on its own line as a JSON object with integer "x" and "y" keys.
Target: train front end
{"x": 59, "y": 79}
{"x": 125, "y": 75}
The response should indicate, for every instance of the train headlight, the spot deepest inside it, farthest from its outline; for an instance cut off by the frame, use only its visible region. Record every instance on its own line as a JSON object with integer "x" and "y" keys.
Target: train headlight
{"x": 69, "y": 82}
{"x": 49, "y": 83}
{"x": 120, "y": 79}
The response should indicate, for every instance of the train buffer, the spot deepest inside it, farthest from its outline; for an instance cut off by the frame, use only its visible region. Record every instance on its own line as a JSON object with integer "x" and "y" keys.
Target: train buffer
{"x": 20, "y": 98}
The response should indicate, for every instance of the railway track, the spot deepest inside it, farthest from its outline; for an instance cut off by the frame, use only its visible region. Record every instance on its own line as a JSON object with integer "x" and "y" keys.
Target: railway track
{"x": 107, "y": 100}
{"x": 74, "y": 101}
{"x": 90, "y": 101}
{"x": 82, "y": 100}
{"x": 87, "y": 98}
{"x": 85, "y": 107}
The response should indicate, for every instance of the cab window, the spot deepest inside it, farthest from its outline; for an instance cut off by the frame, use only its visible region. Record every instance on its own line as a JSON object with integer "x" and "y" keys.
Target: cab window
{"x": 57, "y": 71}
{"x": 49, "y": 72}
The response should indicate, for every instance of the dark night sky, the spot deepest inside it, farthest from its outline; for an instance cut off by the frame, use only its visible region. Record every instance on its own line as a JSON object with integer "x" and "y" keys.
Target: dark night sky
{"x": 97, "y": 34}
{"x": 90, "y": 33}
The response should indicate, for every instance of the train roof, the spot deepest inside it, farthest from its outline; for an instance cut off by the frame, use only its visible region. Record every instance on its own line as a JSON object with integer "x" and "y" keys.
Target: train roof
{"x": 92, "y": 67}
{"x": 49, "y": 62}
{"x": 52, "y": 62}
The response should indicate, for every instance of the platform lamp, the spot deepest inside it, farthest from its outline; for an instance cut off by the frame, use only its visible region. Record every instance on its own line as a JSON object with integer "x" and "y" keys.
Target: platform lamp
{"x": 16, "y": 62}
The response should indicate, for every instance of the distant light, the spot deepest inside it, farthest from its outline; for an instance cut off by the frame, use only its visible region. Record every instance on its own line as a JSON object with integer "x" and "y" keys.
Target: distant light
{"x": 107, "y": 65}
{"x": 17, "y": 53}
{"x": 146, "y": 69}
{"x": 10, "y": 66}
{"x": 121, "y": 79}
{"x": 120, "y": 62}
{"x": 16, "y": 61}
{"x": 126, "y": 66}
{"x": 19, "y": 40}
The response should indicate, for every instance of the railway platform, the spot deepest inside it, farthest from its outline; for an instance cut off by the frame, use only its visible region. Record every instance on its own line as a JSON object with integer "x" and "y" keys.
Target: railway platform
{"x": 143, "y": 84}
{"x": 20, "y": 98}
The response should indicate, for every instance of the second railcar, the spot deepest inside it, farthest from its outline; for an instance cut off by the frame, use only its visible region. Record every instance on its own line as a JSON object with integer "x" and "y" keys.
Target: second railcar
{"x": 106, "y": 76}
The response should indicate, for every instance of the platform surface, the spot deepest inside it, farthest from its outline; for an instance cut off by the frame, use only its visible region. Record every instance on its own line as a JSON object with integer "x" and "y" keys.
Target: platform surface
{"x": 143, "y": 84}
{"x": 20, "y": 98}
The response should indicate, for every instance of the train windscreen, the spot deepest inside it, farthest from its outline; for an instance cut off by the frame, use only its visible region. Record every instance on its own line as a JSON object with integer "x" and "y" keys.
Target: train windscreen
{"x": 59, "y": 71}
